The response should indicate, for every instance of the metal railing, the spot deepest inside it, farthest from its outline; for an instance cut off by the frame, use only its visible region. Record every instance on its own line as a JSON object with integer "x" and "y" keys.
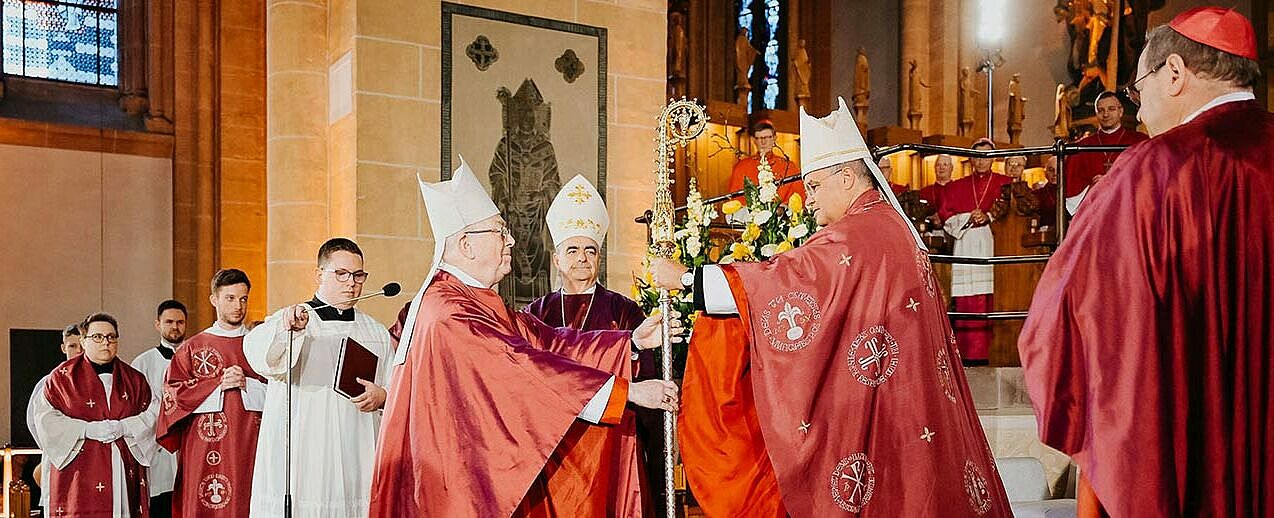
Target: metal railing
{"x": 1059, "y": 149}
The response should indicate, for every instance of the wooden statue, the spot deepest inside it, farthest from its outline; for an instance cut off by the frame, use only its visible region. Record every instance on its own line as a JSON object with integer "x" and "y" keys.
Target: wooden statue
{"x": 677, "y": 49}
{"x": 801, "y": 67}
{"x": 1062, "y": 112}
{"x": 964, "y": 103}
{"x": 862, "y": 88}
{"x": 744, "y": 55}
{"x": 914, "y": 99}
{"x": 1017, "y": 108}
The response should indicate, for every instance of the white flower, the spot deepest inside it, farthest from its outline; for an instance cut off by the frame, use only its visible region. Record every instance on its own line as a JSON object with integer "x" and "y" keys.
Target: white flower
{"x": 693, "y": 246}
{"x": 797, "y": 232}
{"x": 727, "y": 259}
{"x": 762, "y": 217}
{"x": 769, "y": 192}
{"x": 769, "y": 250}
{"x": 740, "y": 217}
{"x": 684, "y": 233}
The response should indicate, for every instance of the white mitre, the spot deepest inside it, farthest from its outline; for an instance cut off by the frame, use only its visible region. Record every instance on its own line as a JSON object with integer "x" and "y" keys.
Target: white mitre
{"x": 578, "y": 210}
{"x": 835, "y": 140}
{"x": 452, "y": 205}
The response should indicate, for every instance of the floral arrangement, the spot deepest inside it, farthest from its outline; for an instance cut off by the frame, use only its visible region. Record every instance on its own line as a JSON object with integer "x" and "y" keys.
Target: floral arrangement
{"x": 763, "y": 226}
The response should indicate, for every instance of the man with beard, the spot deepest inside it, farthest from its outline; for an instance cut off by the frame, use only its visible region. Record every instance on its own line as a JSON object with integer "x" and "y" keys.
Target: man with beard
{"x": 212, "y": 406}
{"x": 170, "y": 322}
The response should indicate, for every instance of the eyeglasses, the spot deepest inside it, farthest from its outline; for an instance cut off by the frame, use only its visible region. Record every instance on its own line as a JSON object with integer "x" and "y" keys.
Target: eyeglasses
{"x": 99, "y": 338}
{"x": 503, "y": 231}
{"x": 344, "y": 276}
{"x": 1134, "y": 93}
{"x": 812, "y": 186}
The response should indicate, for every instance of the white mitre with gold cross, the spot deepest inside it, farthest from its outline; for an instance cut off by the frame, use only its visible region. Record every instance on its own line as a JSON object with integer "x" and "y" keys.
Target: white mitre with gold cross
{"x": 834, "y": 140}
{"x": 578, "y": 210}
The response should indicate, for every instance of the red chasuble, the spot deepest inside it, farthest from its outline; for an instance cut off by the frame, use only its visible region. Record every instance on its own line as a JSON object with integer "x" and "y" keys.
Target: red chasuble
{"x": 1148, "y": 347}
{"x": 782, "y": 168}
{"x": 1082, "y": 167}
{"x": 484, "y": 399}
{"x": 839, "y": 389}
{"x": 216, "y": 450}
{"x": 596, "y": 470}
{"x": 83, "y": 487}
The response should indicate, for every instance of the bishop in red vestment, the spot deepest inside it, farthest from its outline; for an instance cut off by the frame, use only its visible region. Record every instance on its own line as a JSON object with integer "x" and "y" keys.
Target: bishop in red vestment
{"x": 836, "y": 389}
{"x": 967, "y": 208}
{"x": 1148, "y": 348}
{"x": 211, "y": 413}
{"x": 483, "y": 396}
{"x": 96, "y": 421}
{"x": 1083, "y": 170}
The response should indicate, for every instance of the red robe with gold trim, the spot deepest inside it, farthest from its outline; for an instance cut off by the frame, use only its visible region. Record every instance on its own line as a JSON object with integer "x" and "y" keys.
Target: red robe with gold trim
{"x": 1149, "y": 346}
{"x": 484, "y": 399}
{"x": 602, "y": 462}
{"x": 838, "y": 389}
{"x": 215, "y": 450}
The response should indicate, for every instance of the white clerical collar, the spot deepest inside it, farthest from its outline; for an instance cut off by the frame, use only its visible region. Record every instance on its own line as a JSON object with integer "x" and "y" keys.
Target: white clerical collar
{"x": 168, "y": 345}
{"x": 1111, "y": 132}
{"x": 227, "y": 333}
{"x": 462, "y": 275}
{"x": 588, "y": 291}
{"x": 1232, "y": 97}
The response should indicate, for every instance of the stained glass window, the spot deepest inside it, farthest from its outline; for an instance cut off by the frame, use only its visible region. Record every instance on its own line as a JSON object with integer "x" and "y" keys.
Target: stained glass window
{"x": 62, "y": 40}
{"x": 768, "y": 24}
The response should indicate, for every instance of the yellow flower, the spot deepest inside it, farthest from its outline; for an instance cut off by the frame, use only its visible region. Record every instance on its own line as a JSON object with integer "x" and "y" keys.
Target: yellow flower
{"x": 795, "y": 203}
{"x": 751, "y": 233}
{"x": 740, "y": 251}
{"x": 676, "y": 254}
{"x": 732, "y": 207}
{"x": 784, "y": 246}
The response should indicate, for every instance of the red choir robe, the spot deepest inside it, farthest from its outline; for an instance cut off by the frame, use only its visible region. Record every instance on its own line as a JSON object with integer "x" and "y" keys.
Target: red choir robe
{"x": 1046, "y": 198}
{"x": 601, "y": 462}
{"x": 838, "y": 388}
{"x": 1081, "y": 168}
{"x": 1148, "y": 346}
{"x": 83, "y": 488}
{"x": 932, "y": 194}
{"x": 484, "y": 399}
{"x": 780, "y": 165}
{"x": 976, "y": 191}
{"x": 215, "y": 450}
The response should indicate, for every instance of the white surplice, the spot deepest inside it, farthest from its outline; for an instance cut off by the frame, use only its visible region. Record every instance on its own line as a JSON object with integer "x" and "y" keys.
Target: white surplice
{"x": 62, "y": 438}
{"x": 334, "y": 443}
{"x": 971, "y": 279}
{"x": 163, "y": 468}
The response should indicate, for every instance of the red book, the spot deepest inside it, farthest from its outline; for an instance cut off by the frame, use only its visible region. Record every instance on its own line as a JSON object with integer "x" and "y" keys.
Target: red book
{"x": 355, "y": 362}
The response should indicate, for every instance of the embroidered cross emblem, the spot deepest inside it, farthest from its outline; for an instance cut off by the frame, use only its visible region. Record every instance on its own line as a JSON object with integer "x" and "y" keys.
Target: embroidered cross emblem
{"x": 856, "y": 479}
{"x": 875, "y": 355}
{"x": 205, "y": 366}
{"x": 214, "y": 458}
{"x": 64, "y": 370}
{"x": 124, "y": 396}
{"x": 213, "y": 425}
{"x": 90, "y": 403}
{"x": 100, "y": 487}
{"x": 804, "y": 428}
{"x": 927, "y": 436}
{"x": 912, "y": 304}
{"x": 60, "y": 511}
{"x": 845, "y": 259}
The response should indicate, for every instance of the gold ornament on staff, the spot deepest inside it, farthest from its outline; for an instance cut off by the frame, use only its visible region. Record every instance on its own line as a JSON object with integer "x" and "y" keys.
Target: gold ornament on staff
{"x": 680, "y": 122}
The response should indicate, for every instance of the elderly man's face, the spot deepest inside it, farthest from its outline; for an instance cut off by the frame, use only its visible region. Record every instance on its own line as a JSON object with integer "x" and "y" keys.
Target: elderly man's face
{"x": 491, "y": 248}
{"x": 1050, "y": 170}
{"x": 982, "y": 165}
{"x": 942, "y": 168}
{"x": 829, "y": 191}
{"x": 577, "y": 259}
{"x": 1014, "y": 167}
{"x": 1153, "y": 96}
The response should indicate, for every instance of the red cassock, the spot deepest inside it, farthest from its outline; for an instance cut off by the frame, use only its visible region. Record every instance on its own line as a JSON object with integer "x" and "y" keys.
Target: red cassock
{"x": 1047, "y": 198}
{"x": 838, "y": 389}
{"x": 596, "y": 471}
{"x": 215, "y": 450}
{"x": 77, "y": 489}
{"x": 975, "y": 191}
{"x": 780, "y": 165}
{"x": 1148, "y": 348}
{"x": 933, "y": 194}
{"x": 483, "y": 401}
{"x": 1082, "y": 167}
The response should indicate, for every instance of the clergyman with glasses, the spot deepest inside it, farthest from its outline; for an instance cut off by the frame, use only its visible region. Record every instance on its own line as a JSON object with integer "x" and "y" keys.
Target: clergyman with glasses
{"x": 338, "y": 429}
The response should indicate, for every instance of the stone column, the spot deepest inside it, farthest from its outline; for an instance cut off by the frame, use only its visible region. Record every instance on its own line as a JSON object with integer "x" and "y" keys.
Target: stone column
{"x": 297, "y": 188}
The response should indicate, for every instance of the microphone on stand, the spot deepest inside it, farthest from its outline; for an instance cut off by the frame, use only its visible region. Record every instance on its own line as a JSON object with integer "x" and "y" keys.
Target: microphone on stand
{"x": 388, "y": 290}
